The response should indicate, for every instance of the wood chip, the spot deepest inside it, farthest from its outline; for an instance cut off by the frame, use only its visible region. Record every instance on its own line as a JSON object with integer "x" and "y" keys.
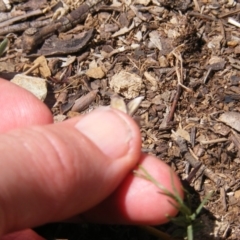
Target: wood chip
{"x": 95, "y": 73}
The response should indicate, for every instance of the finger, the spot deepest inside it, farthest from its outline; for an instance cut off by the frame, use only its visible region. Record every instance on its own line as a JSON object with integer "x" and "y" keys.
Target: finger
{"x": 53, "y": 172}
{"x": 27, "y": 234}
{"x": 137, "y": 200}
{"x": 20, "y": 108}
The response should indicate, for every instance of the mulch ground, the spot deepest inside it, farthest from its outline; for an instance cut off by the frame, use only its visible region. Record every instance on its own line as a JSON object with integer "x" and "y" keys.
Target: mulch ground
{"x": 182, "y": 57}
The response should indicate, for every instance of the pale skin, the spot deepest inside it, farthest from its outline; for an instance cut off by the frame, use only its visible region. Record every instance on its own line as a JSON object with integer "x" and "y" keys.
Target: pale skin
{"x": 81, "y": 167}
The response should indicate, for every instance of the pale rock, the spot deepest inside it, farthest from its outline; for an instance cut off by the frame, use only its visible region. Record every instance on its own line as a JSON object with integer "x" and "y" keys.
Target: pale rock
{"x": 37, "y": 86}
{"x": 127, "y": 84}
{"x": 59, "y": 118}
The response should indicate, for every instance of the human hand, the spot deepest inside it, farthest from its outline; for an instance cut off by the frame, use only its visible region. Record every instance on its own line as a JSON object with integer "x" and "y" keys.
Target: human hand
{"x": 51, "y": 172}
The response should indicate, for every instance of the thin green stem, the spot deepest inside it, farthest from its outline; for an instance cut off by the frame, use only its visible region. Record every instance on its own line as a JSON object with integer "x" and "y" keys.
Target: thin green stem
{"x": 3, "y": 46}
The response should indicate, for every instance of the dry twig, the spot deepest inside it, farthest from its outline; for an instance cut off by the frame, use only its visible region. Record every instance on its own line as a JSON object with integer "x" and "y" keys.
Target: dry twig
{"x": 195, "y": 163}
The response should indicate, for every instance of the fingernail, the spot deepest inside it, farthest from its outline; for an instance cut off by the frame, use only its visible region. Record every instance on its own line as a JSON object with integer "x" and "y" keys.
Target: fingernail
{"x": 108, "y": 130}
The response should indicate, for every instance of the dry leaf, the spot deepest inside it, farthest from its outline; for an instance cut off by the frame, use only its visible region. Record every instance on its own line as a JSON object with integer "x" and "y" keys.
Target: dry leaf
{"x": 134, "y": 104}
{"x": 232, "y": 119}
{"x": 155, "y": 39}
{"x": 117, "y": 102}
{"x": 124, "y": 30}
{"x": 183, "y": 133}
{"x": 68, "y": 61}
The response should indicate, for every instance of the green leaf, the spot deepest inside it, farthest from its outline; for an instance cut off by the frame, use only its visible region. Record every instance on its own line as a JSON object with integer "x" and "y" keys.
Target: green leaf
{"x": 175, "y": 196}
{"x": 3, "y": 46}
{"x": 187, "y": 219}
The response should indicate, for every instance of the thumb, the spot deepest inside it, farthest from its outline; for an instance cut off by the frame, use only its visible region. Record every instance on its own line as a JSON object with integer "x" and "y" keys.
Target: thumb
{"x": 53, "y": 172}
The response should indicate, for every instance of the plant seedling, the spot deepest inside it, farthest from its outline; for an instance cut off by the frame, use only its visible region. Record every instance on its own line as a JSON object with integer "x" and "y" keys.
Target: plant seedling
{"x": 187, "y": 218}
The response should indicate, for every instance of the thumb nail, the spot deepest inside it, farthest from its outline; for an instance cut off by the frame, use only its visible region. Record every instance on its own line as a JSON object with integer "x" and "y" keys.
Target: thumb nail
{"x": 109, "y": 130}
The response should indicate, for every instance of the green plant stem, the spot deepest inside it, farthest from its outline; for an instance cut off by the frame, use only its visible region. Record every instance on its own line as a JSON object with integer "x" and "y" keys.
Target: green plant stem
{"x": 190, "y": 232}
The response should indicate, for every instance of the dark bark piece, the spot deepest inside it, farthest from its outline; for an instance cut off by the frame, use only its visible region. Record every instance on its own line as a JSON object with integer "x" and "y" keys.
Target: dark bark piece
{"x": 174, "y": 104}
{"x": 33, "y": 37}
{"x": 195, "y": 163}
{"x": 84, "y": 102}
{"x": 123, "y": 20}
{"x": 21, "y": 17}
{"x": 54, "y": 46}
{"x": 20, "y": 27}
{"x": 4, "y": 16}
{"x": 176, "y": 4}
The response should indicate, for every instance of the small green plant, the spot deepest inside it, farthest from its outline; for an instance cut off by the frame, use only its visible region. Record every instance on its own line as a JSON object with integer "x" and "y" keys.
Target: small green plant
{"x": 187, "y": 218}
{"x": 3, "y": 46}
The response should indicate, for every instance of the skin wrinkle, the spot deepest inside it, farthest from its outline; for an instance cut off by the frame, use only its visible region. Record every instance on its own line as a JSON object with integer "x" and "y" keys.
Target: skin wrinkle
{"x": 21, "y": 140}
{"x": 30, "y": 147}
{"x": 37, "y": 160}
{"x": 78, "y": 176}
{"x": 94, "y": 172}
{"x": 21, "y": 143}
{"x": 130, "y": 138}
{"x": 58, "y": 147}
{"x": 21, "y": 175}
